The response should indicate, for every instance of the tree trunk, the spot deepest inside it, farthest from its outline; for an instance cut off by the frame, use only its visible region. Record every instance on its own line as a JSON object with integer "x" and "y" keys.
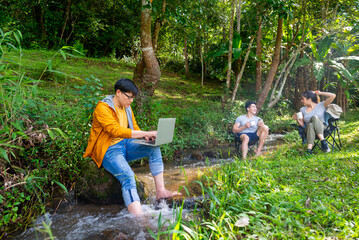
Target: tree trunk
{"x": 239, "y": 61}
{"x": 287, "y": 67}
{"x": 239, "y": 77}
{"x": 285, "y": 72}
{"x": 229, "y": 56}
{"x": 230, "y": 46}
{"x": 202, "y": 65}
{"x": 185, "y": 50}
{"x": 147, "y": 71}
{"x": 299, "y": 83}
{"x": 299, "y": 86}
{"x": 259, "y": 56}
{"x": 158, "y": 25}
{"x": 39, "y": 18}
{"x": 312, "y": 83}
{"x": 341, "y": 98}
{"x": 230, "y": 49}
{"x": 274, "y": 66}
{"x": 68, "y": 8}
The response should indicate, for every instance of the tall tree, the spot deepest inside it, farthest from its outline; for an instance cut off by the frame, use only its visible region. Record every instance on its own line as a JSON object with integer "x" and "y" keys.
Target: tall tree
{"x": 239, "y": 77}
{"x": 158, "y": 24}
{"x": 230, "y": 45}
{"x": 230, "y": 52}
{"x": 274, "y": 65}
{"x": 259, "y": 54}
{"x": 147, "y": 71}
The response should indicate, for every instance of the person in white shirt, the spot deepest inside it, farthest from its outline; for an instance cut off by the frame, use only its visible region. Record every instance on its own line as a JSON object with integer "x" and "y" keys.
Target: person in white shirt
{"x": 250, "y": 129}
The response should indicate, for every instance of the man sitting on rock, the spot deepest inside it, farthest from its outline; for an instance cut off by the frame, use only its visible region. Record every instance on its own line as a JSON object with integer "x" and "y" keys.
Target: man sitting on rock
{"x": 111, "y": 144}
{"x": 250, "y": 129}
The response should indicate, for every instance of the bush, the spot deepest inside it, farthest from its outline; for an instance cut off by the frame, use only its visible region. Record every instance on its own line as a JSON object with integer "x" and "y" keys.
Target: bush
{"x": 172, "y": 64}
{"x": 42, "y": 139}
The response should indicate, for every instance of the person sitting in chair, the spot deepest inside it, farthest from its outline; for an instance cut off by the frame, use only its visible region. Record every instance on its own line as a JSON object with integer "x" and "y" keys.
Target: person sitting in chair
{"x": 311, "y": 117}
{"x": 250, "y": 129}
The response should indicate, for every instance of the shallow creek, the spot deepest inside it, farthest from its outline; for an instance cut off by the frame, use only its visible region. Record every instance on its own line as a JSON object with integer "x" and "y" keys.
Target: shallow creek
{"x": 101, "y": 222}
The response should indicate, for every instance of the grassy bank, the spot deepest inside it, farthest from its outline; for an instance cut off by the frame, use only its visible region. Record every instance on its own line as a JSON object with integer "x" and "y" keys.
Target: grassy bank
{"x": 282, "y": 195}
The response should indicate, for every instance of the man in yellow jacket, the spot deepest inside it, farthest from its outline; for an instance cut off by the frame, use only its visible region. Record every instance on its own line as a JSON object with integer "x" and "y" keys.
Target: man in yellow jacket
{"x": 111, "y": 144}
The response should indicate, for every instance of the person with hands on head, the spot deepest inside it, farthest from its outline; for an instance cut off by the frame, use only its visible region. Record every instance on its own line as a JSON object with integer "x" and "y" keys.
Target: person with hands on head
{"x": 111, "y": 144}
{"x": 250, "y": 129}
{"x": 311, "y": 117}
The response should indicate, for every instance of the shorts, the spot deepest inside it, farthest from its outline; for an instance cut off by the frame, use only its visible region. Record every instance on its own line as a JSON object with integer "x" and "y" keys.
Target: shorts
{"x": 253, "y": 137}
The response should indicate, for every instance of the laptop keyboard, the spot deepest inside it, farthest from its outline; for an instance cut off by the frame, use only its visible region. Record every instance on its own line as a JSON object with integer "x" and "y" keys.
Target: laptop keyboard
{"x": 147, "y": 142}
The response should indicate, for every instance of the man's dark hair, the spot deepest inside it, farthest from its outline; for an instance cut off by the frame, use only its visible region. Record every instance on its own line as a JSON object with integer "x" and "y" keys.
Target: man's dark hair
{"x": 248, "y": 104}
{"x": 126, "y": 85}
{"x": 310, "y": 95}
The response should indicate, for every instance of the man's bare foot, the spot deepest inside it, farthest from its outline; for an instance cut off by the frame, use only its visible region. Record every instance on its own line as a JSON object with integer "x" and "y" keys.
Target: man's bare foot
{"x": 165, "y": 194}
{"x": 135, "y": 209}
{"x": 257, "y": 153}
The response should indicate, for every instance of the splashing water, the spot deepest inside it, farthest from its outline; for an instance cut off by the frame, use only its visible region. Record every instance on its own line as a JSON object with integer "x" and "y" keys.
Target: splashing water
{"x": 101, "y": 222}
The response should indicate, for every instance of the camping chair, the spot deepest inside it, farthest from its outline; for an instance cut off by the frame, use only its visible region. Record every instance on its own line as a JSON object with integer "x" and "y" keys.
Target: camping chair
{"x": 331, "y": 133}
{"x": 238, "y": 144}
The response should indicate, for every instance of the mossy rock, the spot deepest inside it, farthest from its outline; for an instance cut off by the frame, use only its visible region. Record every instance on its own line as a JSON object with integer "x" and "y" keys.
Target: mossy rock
{"x": 96, "y": 185}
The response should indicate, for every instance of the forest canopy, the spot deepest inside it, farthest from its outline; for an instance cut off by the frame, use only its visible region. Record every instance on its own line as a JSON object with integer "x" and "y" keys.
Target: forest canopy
{"x": 291, "y": 46}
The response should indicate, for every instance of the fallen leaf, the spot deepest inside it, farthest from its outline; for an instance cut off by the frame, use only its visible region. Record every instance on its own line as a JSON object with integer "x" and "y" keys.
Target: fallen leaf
{"x": 242, "y": 222}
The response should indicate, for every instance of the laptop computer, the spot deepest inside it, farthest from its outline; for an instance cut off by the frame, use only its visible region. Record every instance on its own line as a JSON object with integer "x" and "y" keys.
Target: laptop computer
{"x": 165, "y": 130}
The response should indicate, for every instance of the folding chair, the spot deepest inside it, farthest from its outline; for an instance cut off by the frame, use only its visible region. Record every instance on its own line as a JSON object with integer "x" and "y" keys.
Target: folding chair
{"x": 331, "y": 133}
{"x": 238, "y": 144}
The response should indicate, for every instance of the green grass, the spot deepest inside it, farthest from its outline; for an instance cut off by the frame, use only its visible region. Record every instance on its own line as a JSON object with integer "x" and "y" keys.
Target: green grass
{"x": 285, "y": 195}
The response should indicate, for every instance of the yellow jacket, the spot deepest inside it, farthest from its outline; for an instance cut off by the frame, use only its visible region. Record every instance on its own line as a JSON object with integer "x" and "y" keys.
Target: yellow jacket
{"x": 105, "y": 126}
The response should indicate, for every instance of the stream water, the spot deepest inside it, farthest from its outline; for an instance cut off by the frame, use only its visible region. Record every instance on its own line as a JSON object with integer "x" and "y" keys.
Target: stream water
{"x": 101, "y": 222}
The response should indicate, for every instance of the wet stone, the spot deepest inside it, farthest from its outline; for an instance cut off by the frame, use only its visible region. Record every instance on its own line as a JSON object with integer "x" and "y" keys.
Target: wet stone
{"x": 188, "y": 203}
{"x": 114, "y": 234}
{"x": 96, "y": 185}
{"x": 196, "y": 155}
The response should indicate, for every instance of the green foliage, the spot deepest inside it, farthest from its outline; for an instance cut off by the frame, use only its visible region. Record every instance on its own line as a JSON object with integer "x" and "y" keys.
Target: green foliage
{"x": 223, "y": 49}
{"x": 46, "y": 228}
{"x": 292, "y": 137}
{"x": 89, "y": 94}
{"x": 172, "y": 64}
{"x": 9, "y": 41}
{"x": 31, "y": 160}
{"x": 101, "y": 28}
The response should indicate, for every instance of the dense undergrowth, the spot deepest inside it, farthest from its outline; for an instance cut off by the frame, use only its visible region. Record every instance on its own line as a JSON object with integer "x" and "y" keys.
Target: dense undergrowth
{"x": 45, "y": 114}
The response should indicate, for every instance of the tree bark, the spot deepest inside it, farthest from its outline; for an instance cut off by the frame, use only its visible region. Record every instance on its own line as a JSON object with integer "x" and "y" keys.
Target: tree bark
{"x": 239, "y": 77}
{"x": 185, "y": 50}
{"x": 287, "y": 67}
{"x": 202, "y": 64}
{"x": 312, "y": 81}
{"x": 147, "y": 71}
{"x": 239, "y": 61}
{"x": 158, "y": 25}
{"x": 299, "y": 84}
{"x": 68, "y": 8}
{"x": 285, "y": 71}
{"x": 274, "y": 66}
{"x": 230, "y": 46}
{"x": 259, "y": 56}
{"x": 341, "y": 98}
